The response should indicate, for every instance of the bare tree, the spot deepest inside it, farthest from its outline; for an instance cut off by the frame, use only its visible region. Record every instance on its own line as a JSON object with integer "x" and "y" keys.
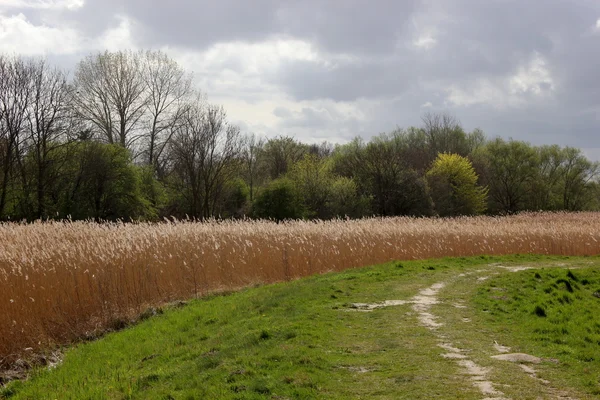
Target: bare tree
{"x": 110, "y": 94}
{"x": 250, "y": 156}
{"x": 281, "y": 153}
{"x": 205, "y": 149}
{"x": 168, "y": 89}
{"x": 444, "y": 134}
{"x": 321, "y": 150}
{"x": 15, "y": 98}
{"x": 48, "y": 126}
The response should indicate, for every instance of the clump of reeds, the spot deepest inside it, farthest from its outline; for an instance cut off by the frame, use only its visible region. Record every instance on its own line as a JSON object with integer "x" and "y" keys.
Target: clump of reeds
{"x": 63, "y": 281}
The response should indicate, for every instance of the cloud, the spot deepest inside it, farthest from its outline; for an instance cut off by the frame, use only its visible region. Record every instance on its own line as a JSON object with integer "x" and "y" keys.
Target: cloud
{"x": 425, "y": 25}
{"x": 43, "y": 4}
{"x": 243, "y": 69}
{"x": 534, "y": 78}
{"x": 343, "y": 78}
{"x": 316, "y": 121}
{"x": 341, "y": 68}
{"x": 18, "y": 35}
{"x": 426, "y": 41}
{"x": 283, "y": 113}
{"x": 117, "y": 37}
{"x": 257, "y": 57}
{"x": 530, "y": 82}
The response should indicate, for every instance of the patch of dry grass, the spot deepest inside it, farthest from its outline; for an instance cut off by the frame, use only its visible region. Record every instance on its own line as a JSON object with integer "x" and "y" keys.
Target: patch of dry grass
{"x": 62, "y": 281}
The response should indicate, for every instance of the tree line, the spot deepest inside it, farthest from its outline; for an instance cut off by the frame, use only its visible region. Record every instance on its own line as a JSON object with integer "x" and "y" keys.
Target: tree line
{"x": 129, "y": 137}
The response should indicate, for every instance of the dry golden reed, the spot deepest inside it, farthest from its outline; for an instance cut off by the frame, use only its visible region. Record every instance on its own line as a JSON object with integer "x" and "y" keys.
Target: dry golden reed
{"x": 62, "y": 281}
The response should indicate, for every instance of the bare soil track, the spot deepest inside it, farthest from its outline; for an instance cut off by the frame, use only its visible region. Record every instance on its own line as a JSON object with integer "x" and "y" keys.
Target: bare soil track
{"x": 428, "y": 306}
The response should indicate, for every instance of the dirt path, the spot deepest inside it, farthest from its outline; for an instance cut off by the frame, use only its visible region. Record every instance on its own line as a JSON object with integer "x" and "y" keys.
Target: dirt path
{"x": 478, "y": 375}
{"x": 484, "y": 378}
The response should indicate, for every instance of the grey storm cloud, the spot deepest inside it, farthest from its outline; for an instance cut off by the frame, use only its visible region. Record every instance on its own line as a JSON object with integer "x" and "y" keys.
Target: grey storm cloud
{"x": 522, "y": 69}
{"x": 336, "y": 25}
{"x": 307, "y": 80}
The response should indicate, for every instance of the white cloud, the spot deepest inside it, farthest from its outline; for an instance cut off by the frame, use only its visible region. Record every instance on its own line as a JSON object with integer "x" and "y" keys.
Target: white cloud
{"x": 236, "y": 74}
{"x": 480, "y": 91}
{"x": 43, "y": 4}
{"x": 244, "y": 70}
{"x": 425, "y": 41}
{"x": 318, "y": 120}
{"x": 239, "y": 75}
{"x": 534, "y": 78}
{"x": 309, "y": 121}
{"x": 119, "y": 37}
{"x": 531, "y": 81}
{"x": 427, "y": 105}
{"x": 252, "y": 58}
{"x": 18, "y": 35}
{"x": 597, "y": 27}
{"x": 427, "y": 25}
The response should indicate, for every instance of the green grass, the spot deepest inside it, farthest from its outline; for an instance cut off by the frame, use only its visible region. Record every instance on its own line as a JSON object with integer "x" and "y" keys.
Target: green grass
{"x": 553, "y": 313}
{"x": 298, "y": 340}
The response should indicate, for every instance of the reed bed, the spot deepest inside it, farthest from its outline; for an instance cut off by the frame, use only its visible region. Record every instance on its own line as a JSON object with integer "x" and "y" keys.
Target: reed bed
{"x": 64, "y": 281}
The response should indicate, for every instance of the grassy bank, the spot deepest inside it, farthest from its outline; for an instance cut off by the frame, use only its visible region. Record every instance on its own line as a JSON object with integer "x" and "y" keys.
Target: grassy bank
{"x": 304, "y": 339}
{"x": 553, "y": 313}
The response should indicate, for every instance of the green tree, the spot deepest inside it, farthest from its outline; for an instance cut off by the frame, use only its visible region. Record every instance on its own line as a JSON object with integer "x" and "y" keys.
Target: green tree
{"x": 235, "y": 199}
{"x": 382, "y": 173}
{"x": 324, "y": 194}
{"x": 544, "y": 193}
{"x": 100, "y": 182}
{"x": 563, "y": 179}
{"x": 345, "y": 201}
{"x": 576, "y": 177}
{"x": 453, "y": 184}
{"x": 417, "y": 154}
{"x": 152, "y": 189}
{"x": 279, "y": 200}
{"x": 313, "y": 178}
{"x": 509, "y": 169}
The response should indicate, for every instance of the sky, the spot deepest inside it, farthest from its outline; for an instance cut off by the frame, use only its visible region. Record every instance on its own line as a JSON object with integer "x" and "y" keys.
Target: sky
{"x": 336, "y": 69}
